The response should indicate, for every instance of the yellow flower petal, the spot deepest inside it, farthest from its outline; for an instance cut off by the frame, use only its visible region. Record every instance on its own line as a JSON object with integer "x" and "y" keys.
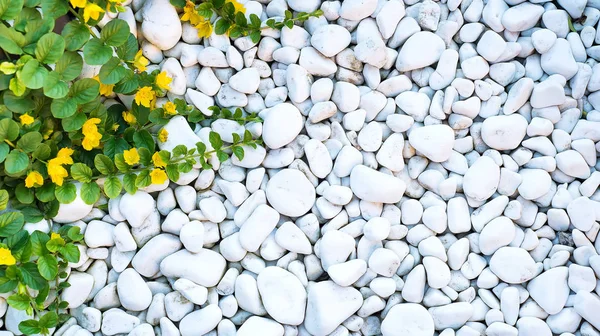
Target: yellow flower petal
{"x": 140, "y": 62}
{"x": 170, "y": 108}
{"x": 6, "y": 257}
{"x": 158, "y": 161}
{"x": 129, "y": 118}
{"x": 93, "y": 11}
{"x": 163, "y": 135}
{"x": 145, "y": 96}
{"x": 158, "y": 176}
{"x": 238, "y": 6}
{"x": 204, "y": 28}
{"x": 34, "y": 179}
{"x": 78, "y": 3}
{"x": 26, "y": 119}
{"x": 163, "y": 80}
{"x": 131, "y": 156}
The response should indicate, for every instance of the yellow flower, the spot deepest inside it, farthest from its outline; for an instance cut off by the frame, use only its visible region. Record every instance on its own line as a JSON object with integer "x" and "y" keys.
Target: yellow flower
{"x": 57, "y": 172}
{"x": 34, "y": 179}
{"x": 6, "y": 257}
{"x": 140, "y": 62}
{"x": 190, "y": 14}
{"x": 92, "y": 11}
{"x": 163, "y": 80}
{"x": 105, "y": 89}
{"x": 158, "y": 176}
{"x": 64, "y": 156}
{"x": 163, "y": 135}
{"x": 145, "y": 96}
{"x": 129, "y": 117}
{"x": 78, "y": 3}
{"x": 238, "y": 6}
{"x": 204, "y": 28}
{"x": 115, "y": 127}
{"x": 131, "y": 156}
{"x": 26, "y": 119}
{"x": 54, "y": 235}
{"x": 158, "y": 161}
{"x": 170, "y": 108}
{"x": 92, "y": 136}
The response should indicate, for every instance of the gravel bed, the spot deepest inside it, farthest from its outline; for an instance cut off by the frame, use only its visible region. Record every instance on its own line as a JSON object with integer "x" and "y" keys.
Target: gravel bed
{"x": 428, "y": 168}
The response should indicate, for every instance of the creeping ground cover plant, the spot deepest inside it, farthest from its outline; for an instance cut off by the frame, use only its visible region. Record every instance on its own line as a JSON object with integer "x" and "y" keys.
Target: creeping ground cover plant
{"x": 68, "y": 131}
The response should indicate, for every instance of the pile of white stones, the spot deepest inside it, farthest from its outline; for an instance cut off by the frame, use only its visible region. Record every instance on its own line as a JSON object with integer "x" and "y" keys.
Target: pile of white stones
{"x": 429, "y": 167}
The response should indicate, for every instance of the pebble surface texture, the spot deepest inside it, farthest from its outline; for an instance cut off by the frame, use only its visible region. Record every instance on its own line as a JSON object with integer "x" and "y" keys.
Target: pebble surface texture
{"x": 429, "y": 168}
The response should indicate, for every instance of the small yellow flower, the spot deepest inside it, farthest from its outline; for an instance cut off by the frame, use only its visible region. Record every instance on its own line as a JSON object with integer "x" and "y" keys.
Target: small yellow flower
{"x": 163, "y": 135}
{"x": 158, "y": 161}
{"x": 54, "y": 235}
{"x": 158, "y": 176}
{"x": 190, "y": 14}
{"x": 163, "y": 80}
{"x": 105, "y": 89}
{"x": 238, "y": 6}
{"x": 92, "y": 11}
{"x": 170, "y": 108}
{"x": 92, "y": 136}
{"x": 78, "y": 3}
{"x": 140, "y": 62}
{"x": 131, "y": 156}
{"x": 204, "y": 28}
{"x": 129, "y": 117}
{"x": 26, "y": 119}
{"x": 6, "y": 257}
{"x": 34, "y": 179}
{"x": 115, "y": 127}
{"x": 145, "y": 96}
{"x": 64, "y": 156}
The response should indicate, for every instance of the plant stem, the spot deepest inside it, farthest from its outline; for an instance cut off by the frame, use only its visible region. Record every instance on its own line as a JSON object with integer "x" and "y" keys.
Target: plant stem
{"x": 10, "y": 143}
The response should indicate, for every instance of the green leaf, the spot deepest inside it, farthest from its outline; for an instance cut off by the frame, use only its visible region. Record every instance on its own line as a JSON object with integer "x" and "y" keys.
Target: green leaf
{"x": 144, "y": 139}
{"x": 69, "y": 65}
{"x": 178, "y": 3}
{"x": 54, "y": 87}
{"x": 215, "y": 140}
{"x": 143, "y": 179}
{"x": 74, "y": 122}
{"x": 76, "y": 34}
{"x": 84, "y": 90}
{"x": 50, "y": 319}
{"x": 9, "y": 9}
{"x": 29, "y": 142}
{"x": 114, "y": 146}
{"x": 145, "y": 156}
{"x": 172, "y": 172}
{"x": 238, "y": 151}
{"x": 33, "y": 74}
{"x": 18, "y": 301}
{"x": 127, "y": 50}
{"x": 33, "y": 214}
{"x": 42, "y": 152}
{"x": 255, "y": 36}
{"x": 30, "y": 327}
{"x": 24, "y": 195}
{"x": 63, "y": 107}
{"x": 16, "y": 162}
{"x": 17, "y": 86}
{"x": 50, "y": 48}
{"x": 30, "y": 275}
{"x": 129, "y": 183}
{"x": 222, "y": 156}
{"x": 19, "y": 104}
{"x": 54, "y": 8}
{"x": 45, "y": 193}
{"x": 81, "y": 172}
{"x": 66, "y": 193}
{"x": 38, "y": 242}
{"x": 9, "y": 130}
{"x": 179, "y": 150}
{"x": 7, "y": 285}
{"x": 70, "y": 252}
{"x": 115, "y": 33}
{"x": 48, "y": 267}
{"x": 128, "y": 84}
{"x": 3, "y": 199}
{"x": 289, "y": 24}
{"x": 90, "y": 192}
{"x": 112, "y": 71}
{"x": 11, "y": 40}
{"x": 255, "y": 21}
{"x": 96, "y": 53}
{"x": 221, "y": 27}
{"x": 112, "y": 187}
{"x": 74, "y": 233}
{"x": 104, "y": 164}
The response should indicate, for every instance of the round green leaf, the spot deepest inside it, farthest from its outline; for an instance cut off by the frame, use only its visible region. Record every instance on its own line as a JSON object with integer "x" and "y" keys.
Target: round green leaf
{"x": 3, "y": 199}
{"x": 33, "y": 74}
{"x": 112, "y": 187}
{"x": 75, "y": 35}
{"x": 49, "y": 48}
{"x": 16, "y": 162}
{"x": 4, "y": 149}
{"x": 112, "y": 72}
{"x": 69, "y": 65}
{"x": 55, "y": 88}
{"x": 45, "y": 193}
{"x": 9, "y": 129}
{"x": 74, "y": 122}
{"x": 9, "y": 9}
{"x": 115, "y": 32}
{"x": 66, "y": 193}
{"x": 24, "y": 195}
{"x": 19, "y": 104}
{"x": 29, "y": 142}
{"x": 90, "y": 192}
{"x": 129, "y": 183}
{"x": 96, "y": 53}
{"x": 42, "y": 152}
{"x": 81, "y": 172}
{"x": 84, "y": 90}
{"x": 11, "y": 223}
{"x": 63, "y": 108}
{"x": 48, "y": 267}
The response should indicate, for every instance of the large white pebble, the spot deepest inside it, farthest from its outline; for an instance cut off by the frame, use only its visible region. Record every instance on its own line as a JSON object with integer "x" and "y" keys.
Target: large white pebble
{"x": 420, "y": 50}
{"x": 160, "y": 24}
{"x": 282, "y": 123}
{"x": 373, "y": 186}
{"x": 291, "y": 193}
{"x": 282, "y": 294}
{"x": 407, "y": 319}
{"x": 504, "y": 132}
{"x": 329, "y": 40}
{"x": 133, "y": 291}
{"x": 435, "y": 142}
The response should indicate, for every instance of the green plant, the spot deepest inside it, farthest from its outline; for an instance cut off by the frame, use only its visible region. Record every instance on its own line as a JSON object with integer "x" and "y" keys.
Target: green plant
{"x": 231, "y": 19}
